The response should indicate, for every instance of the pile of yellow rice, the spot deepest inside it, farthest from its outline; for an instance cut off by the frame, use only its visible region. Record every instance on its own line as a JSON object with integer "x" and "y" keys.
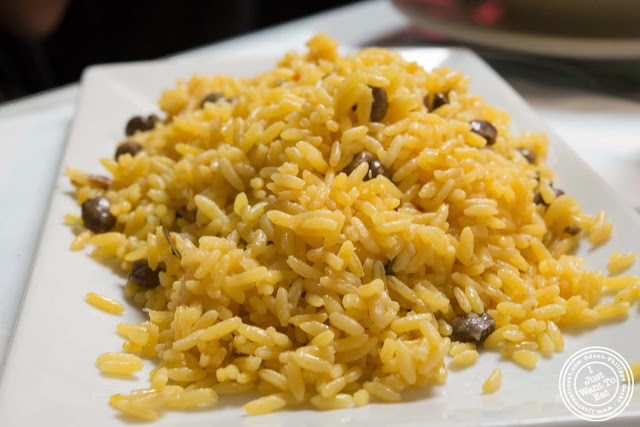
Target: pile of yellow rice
{"x": 309, "y": 285}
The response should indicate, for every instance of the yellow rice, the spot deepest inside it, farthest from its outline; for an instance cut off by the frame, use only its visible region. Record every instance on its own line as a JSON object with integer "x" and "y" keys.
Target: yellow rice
{"x": 361, "y": 398}
{"x": 119, "y": 363}
{"x": 312, "y": 286}
{"x": 619, "y": 262}
{"x": 635, "y": 369}
{"x": 105, "y": 304}
{"x": 492, "y": 384}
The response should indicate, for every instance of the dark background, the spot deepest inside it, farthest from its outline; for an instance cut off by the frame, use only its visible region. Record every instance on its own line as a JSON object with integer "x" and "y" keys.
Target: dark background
{"x": 99, "y": 31}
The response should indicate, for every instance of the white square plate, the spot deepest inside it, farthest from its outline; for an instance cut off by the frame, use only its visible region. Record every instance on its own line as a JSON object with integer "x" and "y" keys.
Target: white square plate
{"x": 50, "y": 377}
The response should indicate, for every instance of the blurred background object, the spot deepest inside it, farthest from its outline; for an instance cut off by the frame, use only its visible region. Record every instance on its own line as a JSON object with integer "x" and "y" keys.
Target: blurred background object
{"x": 592, "y": 44}
{"x": 47, "y": 43}
{"x": 589, "y": 44}
{"x": 585, "y": 29}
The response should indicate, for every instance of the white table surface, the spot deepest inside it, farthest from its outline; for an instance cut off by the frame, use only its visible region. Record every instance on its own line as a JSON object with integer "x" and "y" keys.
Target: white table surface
{"x": 603, "y": 130}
